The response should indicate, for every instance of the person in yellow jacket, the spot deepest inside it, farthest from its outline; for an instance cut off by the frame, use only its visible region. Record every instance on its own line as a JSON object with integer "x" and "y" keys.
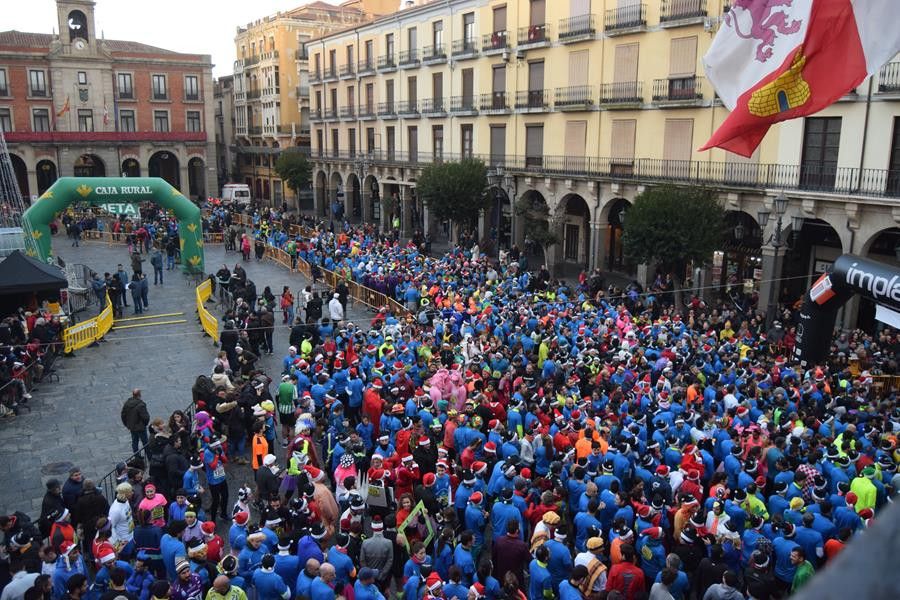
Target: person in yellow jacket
{"x": 865, "y": 490}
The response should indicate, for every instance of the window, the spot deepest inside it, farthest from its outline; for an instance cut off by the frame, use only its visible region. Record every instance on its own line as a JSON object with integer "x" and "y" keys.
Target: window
{"x": 370, "y": 98}
{"x": 534, "y": 145}
{"x": 538, "y": 12}
{"x": 468, "y": 89}
{"x": 678, "y": 147}
{"x": 370, "y": 140}
{"x": 193, "y": 121}
{"x": 622, "y": 149}
{"x": 465, "y": 137}
{"x": 5, "y": 119}
{"x": 437, "y": 34}
{"x": 349, "y": 60}
{"x": 126, "y": 121}
{"x": 391, "y": 142}
{"x": 412, "y": 40}
{"x": 499, "y": 87}
{"x": 351, "y": 97}
{"x": 500, "y": 19}
{"x": 159, "y": 88}
{"x": 498, "y": 144}
{"x": 191, "y": 87}
{"x": 625, "y": 72}
{"x": 82, "y": 78}
{"x": 320, "y": 141}
{"x": 125, "y": 85}
{"x": 41, "y": 118}
{"x": 412, "y": 87}
{"x": 437, "y": 141}
{"x": 370, "y": 51}
{"x": 85, "y": 119}
{"x": 894, "y": 165}
{"x": 389, "y": 44}
{"x": 412, "y": 134}
{"x": 351, "y": 141}
{"x": 37, "y": 82}
{"x": 4, "y": 83}
{"x": 332, "y": 62}
{"x": 335, "y": 142}
{"x": 161, "y": 120}
{"x": 821, "y": 141}
{"x": 469, "y": 29}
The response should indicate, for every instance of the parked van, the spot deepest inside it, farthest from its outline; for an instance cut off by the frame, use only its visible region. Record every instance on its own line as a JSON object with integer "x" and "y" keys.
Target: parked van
{"x": 237, "y": 193}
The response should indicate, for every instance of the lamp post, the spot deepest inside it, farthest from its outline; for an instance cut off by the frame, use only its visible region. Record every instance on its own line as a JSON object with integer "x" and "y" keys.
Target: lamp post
{"x": 777, "y": 241}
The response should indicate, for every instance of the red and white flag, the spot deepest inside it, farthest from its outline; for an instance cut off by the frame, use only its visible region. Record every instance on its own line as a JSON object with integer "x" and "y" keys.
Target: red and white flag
{"x": 775, "y": 60}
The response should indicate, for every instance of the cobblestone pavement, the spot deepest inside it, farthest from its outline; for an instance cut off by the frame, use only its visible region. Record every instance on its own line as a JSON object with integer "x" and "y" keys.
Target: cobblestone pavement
{"x": 76, "y": 421}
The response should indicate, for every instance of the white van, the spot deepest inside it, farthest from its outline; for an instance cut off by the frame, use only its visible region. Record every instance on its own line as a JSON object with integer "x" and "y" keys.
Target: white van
{"x": 237, "y": 193}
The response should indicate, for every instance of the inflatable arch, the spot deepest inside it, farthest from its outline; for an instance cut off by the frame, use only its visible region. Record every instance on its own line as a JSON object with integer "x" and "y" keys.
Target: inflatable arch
{"x": 850, "y": 275}
{"x": 100, "y": 191}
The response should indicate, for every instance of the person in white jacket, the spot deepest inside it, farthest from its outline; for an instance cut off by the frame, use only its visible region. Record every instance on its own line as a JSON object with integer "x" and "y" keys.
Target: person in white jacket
{"x": 336, "y": 310}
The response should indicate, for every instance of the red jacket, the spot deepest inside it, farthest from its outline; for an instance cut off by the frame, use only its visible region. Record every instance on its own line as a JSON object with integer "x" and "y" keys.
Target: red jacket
{"x": 618, "y": 580}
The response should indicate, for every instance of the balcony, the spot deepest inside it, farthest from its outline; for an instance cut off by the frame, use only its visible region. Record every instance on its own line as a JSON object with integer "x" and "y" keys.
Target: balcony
{"x": 495, "y": 43}
{"x": 315, "y": 114}
{"x": 574, "y": 97}
{"x": 464, "y": 48}
{"x": 254, "y": 94}
{"x": 367, "y": 112}
{"x": 675, "y": 13}
{"x": 255, "y": 130}
{"x": 387, "y": 110}
{"x": 365, "y": 67}
{"x": 387, "y": 63}
{"x": 113, "y": 137}
{"x": 534, "y": 36}
{"x": 533, "y": 101}
{"x": 432, "y": 55}
{"x": 494, "y": 103}
{"x": 330, "y": 74}
{"x": 315, "y": 76}
{"x": 680, "y": 91}
{"x": 331, "y": 113}
{"x": 889, "y": 78}
{"x": 434, "y": 107}
{"x": 463, "y": 105}
{"x": 408, "y": 109}
{"x": 624, "y": 94}
{"x": 250, "y": 61}
{"x": 268, "y": 56}
{"x": 301, "y": 54}
{"x": 576, "y": 29}
{"x": 628, "y": 19}
{"x": 348, "y": 113}
{"x": 270, "y": 92}
{"x": 409, "y": 59}
{"x": 302, "y": 91}
{"x": 347, "y": 71}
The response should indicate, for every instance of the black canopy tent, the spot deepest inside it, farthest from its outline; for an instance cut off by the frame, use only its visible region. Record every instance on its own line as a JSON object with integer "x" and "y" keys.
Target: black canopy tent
{"x": 26, "y": 282}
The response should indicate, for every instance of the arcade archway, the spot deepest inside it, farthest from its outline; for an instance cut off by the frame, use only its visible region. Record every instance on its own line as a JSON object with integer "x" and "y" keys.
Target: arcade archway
{"x": 131, "y": 168}
{"x": 46, "y": 175}
{"x": 576, "y": 230}
{"x": 165, "y": 165}
{"x": 21, "y": 172}
{"x": 197, "y": 178}
{"x": 89, "y": 165}
{"x": 353, "y": 200}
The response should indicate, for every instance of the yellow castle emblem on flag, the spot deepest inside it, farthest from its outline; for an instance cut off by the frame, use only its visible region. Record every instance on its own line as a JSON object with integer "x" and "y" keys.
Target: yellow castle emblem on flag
{"x": 788, "y": 91}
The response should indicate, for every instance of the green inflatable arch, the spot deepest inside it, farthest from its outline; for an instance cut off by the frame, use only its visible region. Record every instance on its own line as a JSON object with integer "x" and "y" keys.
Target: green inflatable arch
{"x": 98, "y": 191}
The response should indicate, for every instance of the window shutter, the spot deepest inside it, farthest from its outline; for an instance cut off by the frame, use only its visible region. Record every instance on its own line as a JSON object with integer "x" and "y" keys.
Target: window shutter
{"x": 500, "y": 18}
{"x": 536, "y": 76}
{"x": 579, "y": 8}
{"x": 437, "y": 85}
{"x": 576, "y": 133}
{"x": 623, "y": 132}
{"x": 534, "y": 141}
{"x": 499, "y": 79}
{"x": 538, "y": 13}
{"x": 678, "y": 142}
{"x": 468, "y": 86}
{"x": 578, "y": 67}
{"x": 498, "y": 142}
{"x": 683, "y": 57}
{"x": 626, "y": 67}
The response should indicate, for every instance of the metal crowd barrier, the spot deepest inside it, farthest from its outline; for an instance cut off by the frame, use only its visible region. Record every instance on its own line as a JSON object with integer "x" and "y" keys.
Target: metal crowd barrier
{"x": 87, "y": 332}
{"x": 208, "y": 321}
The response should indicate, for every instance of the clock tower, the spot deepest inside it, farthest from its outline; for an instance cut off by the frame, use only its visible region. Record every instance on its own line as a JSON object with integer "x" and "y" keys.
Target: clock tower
{"x": 76, "y": 24}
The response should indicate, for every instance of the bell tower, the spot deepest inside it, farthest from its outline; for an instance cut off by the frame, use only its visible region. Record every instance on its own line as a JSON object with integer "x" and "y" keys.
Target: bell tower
{"x": 76, "y": 23}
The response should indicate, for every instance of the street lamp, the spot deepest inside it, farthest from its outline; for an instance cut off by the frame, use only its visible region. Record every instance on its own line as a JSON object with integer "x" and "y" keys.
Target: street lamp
{"x": 739, "y": 232}
{"x": 777, "y": 240}
{"x": 622, "y": 217}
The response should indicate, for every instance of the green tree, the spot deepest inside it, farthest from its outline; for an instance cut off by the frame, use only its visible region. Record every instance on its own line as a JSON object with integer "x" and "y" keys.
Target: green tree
{"x": 294, "y": 169}
{"x": 455, "y": 190}
{"x": 673, "y": 227}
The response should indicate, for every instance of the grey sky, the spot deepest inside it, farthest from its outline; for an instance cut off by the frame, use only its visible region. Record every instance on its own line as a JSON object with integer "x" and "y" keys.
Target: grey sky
{"x": 195, "y": 26}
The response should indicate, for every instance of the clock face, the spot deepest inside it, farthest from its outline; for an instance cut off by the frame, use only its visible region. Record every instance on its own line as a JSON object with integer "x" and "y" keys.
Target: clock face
{"x": 80, "y": 45}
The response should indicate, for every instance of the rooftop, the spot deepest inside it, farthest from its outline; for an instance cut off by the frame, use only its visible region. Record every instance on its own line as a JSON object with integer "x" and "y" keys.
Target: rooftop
{"x": 25, "y": 39}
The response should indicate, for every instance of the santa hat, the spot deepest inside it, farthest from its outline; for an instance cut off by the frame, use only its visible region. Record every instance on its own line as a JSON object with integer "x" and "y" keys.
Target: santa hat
{"x": 208, "y": 528}
{"x": 476, "y": 498}
{"x": 434, "y": 582}
{"x": 241, "y": 518}
{"x": 655, "y": 533}
{"x": 490, "y": 447}
{"x": 377, "y": 524}
{"x": 428, "y": 479}
{"x": 478, "y": 589}
{"x": 424, "y": 440}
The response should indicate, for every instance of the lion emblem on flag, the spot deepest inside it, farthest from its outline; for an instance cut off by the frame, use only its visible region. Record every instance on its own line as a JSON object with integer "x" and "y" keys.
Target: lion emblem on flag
{"x": 767, "y": 19}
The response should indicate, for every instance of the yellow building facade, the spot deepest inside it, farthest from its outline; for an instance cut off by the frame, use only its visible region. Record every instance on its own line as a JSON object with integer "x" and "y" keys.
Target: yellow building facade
{"x": 578, "y": 104}
{"x": 271, "y": 94}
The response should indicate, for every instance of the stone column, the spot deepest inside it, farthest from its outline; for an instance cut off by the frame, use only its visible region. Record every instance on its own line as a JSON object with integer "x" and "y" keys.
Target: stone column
{"x": 184, "y": 179}
{"x": 32, "y": 186}
{"x": 482, "y": 225}
{"x": 598, "y": 240}
{"x": 426, "y": 219}
{"x": 552, "y": 254}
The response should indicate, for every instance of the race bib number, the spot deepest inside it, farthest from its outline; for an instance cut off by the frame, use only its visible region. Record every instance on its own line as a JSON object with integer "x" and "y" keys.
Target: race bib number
{"x": 219, "y": 472}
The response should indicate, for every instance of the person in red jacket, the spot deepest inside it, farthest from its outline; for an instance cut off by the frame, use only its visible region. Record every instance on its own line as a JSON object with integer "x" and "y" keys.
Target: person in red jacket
{"x": 373, "y": 405}
{"x": 407, "y": 476}
{"x": 214, "y": 543}
{"x": 625, "y": 577}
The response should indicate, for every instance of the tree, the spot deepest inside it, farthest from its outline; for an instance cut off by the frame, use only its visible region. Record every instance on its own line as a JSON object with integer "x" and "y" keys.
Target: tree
{"x": 536, "y": 221}
{"x": 455, "y": 190}
{"x": 673, "y": 226}
{"x": 295, "y": 171}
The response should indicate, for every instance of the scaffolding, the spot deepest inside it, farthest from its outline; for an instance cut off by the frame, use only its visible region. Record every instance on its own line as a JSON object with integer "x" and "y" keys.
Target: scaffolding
{"x": 12, "y": 206}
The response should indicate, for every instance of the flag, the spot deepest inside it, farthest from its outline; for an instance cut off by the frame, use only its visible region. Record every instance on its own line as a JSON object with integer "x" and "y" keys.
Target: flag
{"x": 774, "y": 60}
{"x": 65, "y": 108}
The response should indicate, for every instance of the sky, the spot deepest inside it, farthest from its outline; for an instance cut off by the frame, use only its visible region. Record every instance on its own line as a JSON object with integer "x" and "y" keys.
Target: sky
{"x": 191, "y": 26}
